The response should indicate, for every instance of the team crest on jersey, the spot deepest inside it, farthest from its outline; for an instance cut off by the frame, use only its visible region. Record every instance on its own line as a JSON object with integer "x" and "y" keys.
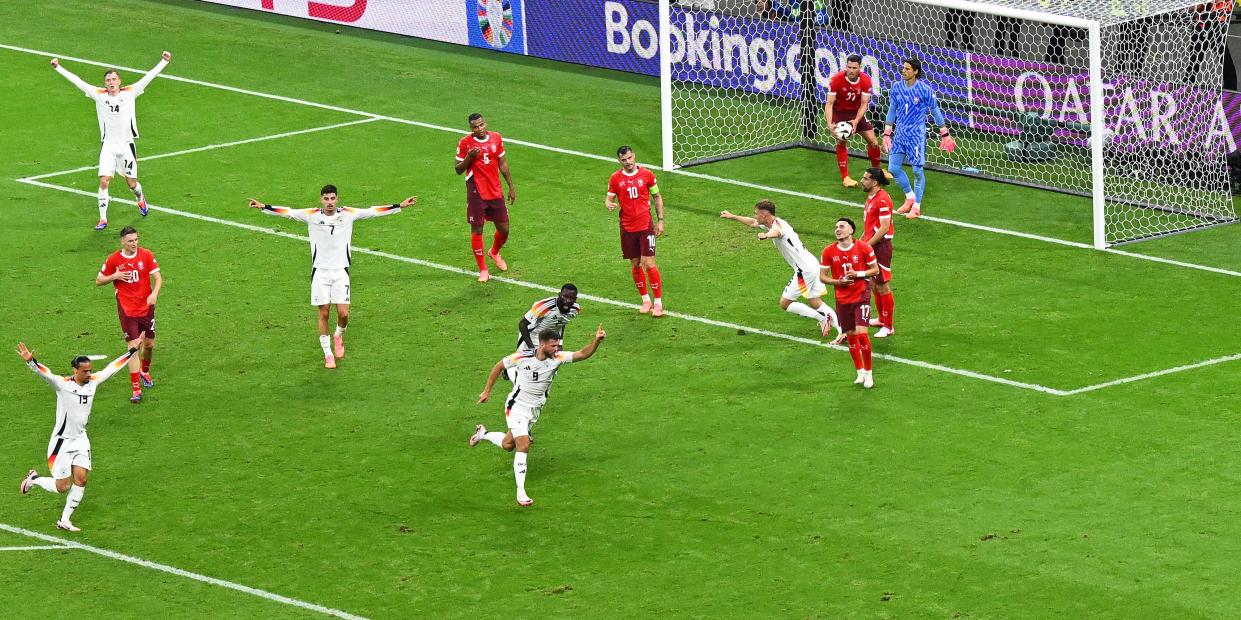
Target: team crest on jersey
{"x": 140, "y": 266}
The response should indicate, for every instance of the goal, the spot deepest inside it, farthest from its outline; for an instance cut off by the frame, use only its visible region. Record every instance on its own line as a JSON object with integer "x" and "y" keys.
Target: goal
{"x": 1114, "y": 100}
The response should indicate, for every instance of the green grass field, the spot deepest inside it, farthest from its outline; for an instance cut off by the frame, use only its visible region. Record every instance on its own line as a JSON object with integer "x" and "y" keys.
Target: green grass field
{"x": 688, "y": 470}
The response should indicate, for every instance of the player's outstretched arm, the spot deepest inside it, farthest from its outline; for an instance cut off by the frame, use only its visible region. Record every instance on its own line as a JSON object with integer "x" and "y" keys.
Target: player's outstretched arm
{"x": 75, "y": 80}
{"x": 748, "y": 221}
{"x": 39, "y": 369}
{"x": 143, "y": 81}
{"x": 589, "y": 349}
{"x": 382, "y": 210}
{"x": 491, "y": 381}
{"x": 285, "y": 212}
{"x": 113, "y": 366}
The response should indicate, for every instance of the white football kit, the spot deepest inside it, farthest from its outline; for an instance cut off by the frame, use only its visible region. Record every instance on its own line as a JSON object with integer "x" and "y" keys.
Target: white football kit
{"x": 532, "y": 379}
{"x": 69, "y": 446}
{"x": 331, "y": 239}
{"x": 545, "y": 315}
{"x": 805, "y": 281}
{"x": 118, "y": 121}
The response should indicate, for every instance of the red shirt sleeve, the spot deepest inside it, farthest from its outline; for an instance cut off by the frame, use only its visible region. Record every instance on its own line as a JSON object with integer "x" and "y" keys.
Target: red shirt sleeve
{"x": 461, "y": 150}
{"x": 612, "y": 188}
{"x": 868, "y": 254}
{"x": 650, "y": 178}
{"x": 109, "y": 265}
{"x": 864, "y": 83}
{"x": 836, "y": 83}
{"x": 499, "y": 144}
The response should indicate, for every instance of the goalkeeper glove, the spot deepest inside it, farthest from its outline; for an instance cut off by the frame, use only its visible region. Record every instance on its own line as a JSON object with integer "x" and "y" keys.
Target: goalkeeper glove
{"x": 945, "y": 141}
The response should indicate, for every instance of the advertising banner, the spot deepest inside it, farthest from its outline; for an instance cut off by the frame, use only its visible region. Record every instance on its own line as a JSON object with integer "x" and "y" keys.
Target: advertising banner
{"x": 425, "y": 19}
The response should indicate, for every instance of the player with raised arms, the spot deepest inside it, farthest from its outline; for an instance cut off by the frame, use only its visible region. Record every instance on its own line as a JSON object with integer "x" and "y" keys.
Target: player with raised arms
{"x": 118, "y": 128}
{"x": 805, "y": 281}
{"x": 848, "y": 99}
{"x": 846, "y": 265}
{"x": 532, "y": 378}
{"x": 909, "y": 101}
{"x": 480, "y": 156}
{"x": 331, "y": 244}
{"x": 134, "y": 273}
{"x": 878, "y": 231}
{"x": 633, "y": 190}
{"x": 68, "y": 450}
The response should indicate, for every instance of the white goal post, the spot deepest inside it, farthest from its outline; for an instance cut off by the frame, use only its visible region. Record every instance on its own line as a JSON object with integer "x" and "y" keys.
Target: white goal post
{"x": 1114, "y": 100}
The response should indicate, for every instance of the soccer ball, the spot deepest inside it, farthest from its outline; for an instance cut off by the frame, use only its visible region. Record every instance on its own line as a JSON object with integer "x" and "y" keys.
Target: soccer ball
{"x": 843, "y": 130}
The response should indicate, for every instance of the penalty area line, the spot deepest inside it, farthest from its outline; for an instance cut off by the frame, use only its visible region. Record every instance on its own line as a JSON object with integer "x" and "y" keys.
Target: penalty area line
{"x": 172, "y": 570}
{"x": 677, "y": 171}
{"x": 603, "y": 300}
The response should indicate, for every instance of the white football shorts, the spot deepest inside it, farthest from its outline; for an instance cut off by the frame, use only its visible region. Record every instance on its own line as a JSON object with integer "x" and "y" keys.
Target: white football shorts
{"x": 62, "y": 467}
{"x": 521, "y": 418}
{"x": 329, "y": 286}
{"x": 118, "y": 157}
{"x": 804, "y": 285}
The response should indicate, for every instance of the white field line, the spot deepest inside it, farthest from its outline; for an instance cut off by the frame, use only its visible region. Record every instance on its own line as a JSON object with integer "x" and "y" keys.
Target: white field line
{"x": 686, "y": 173}
{"x": 36, "y": 548}
{"x": 602, "y": 300}
{"x": 212, "y": 147}
{"x": 182, "y": 573}
{"x": 1157, "y": 373}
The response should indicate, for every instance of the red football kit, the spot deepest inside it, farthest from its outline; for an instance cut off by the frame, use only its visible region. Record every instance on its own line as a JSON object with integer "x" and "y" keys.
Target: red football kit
{"x": 134, "y": 287}
{"x": 848, "y": 94}
{"x": 633, "y": 192}
{"x": 485, "y": 171}
{"x": 859, "y": 257}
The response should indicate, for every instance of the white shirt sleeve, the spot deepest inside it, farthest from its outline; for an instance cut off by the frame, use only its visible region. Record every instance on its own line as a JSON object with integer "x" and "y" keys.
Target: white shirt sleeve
{"x": 91, "y": 92}
{"x": 45, "y": 374}
{"x": 113, "y": 367}
{"x": 301, "y": 215}
{"x": 141, "y": 85}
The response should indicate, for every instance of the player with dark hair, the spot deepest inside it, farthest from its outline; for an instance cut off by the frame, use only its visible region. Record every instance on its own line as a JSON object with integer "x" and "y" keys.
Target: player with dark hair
{"x": 547, "y": 314}
{"x": 909, "y": 101}
{"x": 480, "y": 156}
{"x": 877, "y": 233}
{"x": 846, "y": 265}
{"x": 135, "y": 274}
{"x": 532, "y": 375}
{"x": 68, "y": 451}
{"x": 331, "y": 240}
{"x": 633, "y": 190}
{"x": 805, "y": 281}
{"x": 848, "y": 98}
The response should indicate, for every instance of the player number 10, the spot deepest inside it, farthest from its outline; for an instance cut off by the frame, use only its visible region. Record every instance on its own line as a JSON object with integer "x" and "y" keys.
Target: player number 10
{"x": 633, "y": 192}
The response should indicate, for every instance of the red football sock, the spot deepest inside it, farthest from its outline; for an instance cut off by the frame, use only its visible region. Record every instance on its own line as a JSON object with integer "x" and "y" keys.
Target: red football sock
{"x": 639, "y": 278}
{"x": 873, "y": 153}
{"x": 863, "y": 341}
{"x": 497, "y": 242}
{"x": 854, "y": 351}
{"x": 133, "y": 380}
{"x": 842, "y": 159}
{"x": 652, "y": 274}
{"x": 886, "y": 303}
{"x": 476, "y": 242}
{"x": 146, "y": 362}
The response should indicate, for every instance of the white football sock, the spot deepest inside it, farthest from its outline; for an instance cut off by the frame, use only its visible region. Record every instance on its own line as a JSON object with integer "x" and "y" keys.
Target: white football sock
{"x": 137, "y": 190}
{"x": 801, "y": 309}
{"x": 47, "y": 483}
{"x": 326, "y": 344}
{"x": 519, "y": 470}
{"x": 103, "y": 204}
{"x": 71, "y": 502}
{"x": 340, "y": 330}
{"x": 646, "y": 298}
{"x": 495, "y": 437}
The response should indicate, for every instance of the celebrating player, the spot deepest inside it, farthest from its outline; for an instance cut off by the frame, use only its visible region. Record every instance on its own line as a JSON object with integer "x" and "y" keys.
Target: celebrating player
{"x": 68, "y": 451}
{"x": 481, "y": 153}
{"x": 877, "y": 233}
{"x": 547, "y": 314}
{"x": 330, "y": 257}
{"x": 532, "y": 379}
{"x": 846, "y": 265}
{"x": 848, "y": 99}
{"x": 134, "y": 272}
{"x": 805, "y": 281}
{"x": 631, "y": 188}
{"x": 909, "y": 101}
{"x": 118, "y": 128}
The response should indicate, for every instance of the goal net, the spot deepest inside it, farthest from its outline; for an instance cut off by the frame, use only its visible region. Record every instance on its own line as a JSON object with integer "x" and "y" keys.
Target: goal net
{"x": 1026, "y": 86}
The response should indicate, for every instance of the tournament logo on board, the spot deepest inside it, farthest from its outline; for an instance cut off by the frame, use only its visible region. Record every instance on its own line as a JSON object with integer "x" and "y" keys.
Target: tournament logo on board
{"x": 495, "y": 22}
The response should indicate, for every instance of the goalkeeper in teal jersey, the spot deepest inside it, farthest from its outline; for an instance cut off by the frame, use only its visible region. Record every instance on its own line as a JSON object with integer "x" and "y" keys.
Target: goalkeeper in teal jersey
{"x": 909, "y": 101}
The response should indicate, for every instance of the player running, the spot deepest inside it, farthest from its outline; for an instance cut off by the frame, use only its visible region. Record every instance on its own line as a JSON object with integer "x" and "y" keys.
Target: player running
{"x": 848, "y": 99}
{"x": 331, "y": 244}
{"x": 135, "y": 274}
{"x": 846, "y": 265}
{"x": 68, "y": 451}
{"x": 805, "y": 281}
{"x": 118, "y": 128}
{"x": 631, "y": 189}
{"x": 909, "y": 101}
{"x": 481, "y": 153}
{"x": 877, "y": 233}
{"x": 547, "y": 314}
{"x": 533, "y": 378}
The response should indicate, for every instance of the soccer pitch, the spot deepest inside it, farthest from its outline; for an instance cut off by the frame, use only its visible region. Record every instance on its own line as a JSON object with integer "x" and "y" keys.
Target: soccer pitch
{"x": 1052, "y": 432}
